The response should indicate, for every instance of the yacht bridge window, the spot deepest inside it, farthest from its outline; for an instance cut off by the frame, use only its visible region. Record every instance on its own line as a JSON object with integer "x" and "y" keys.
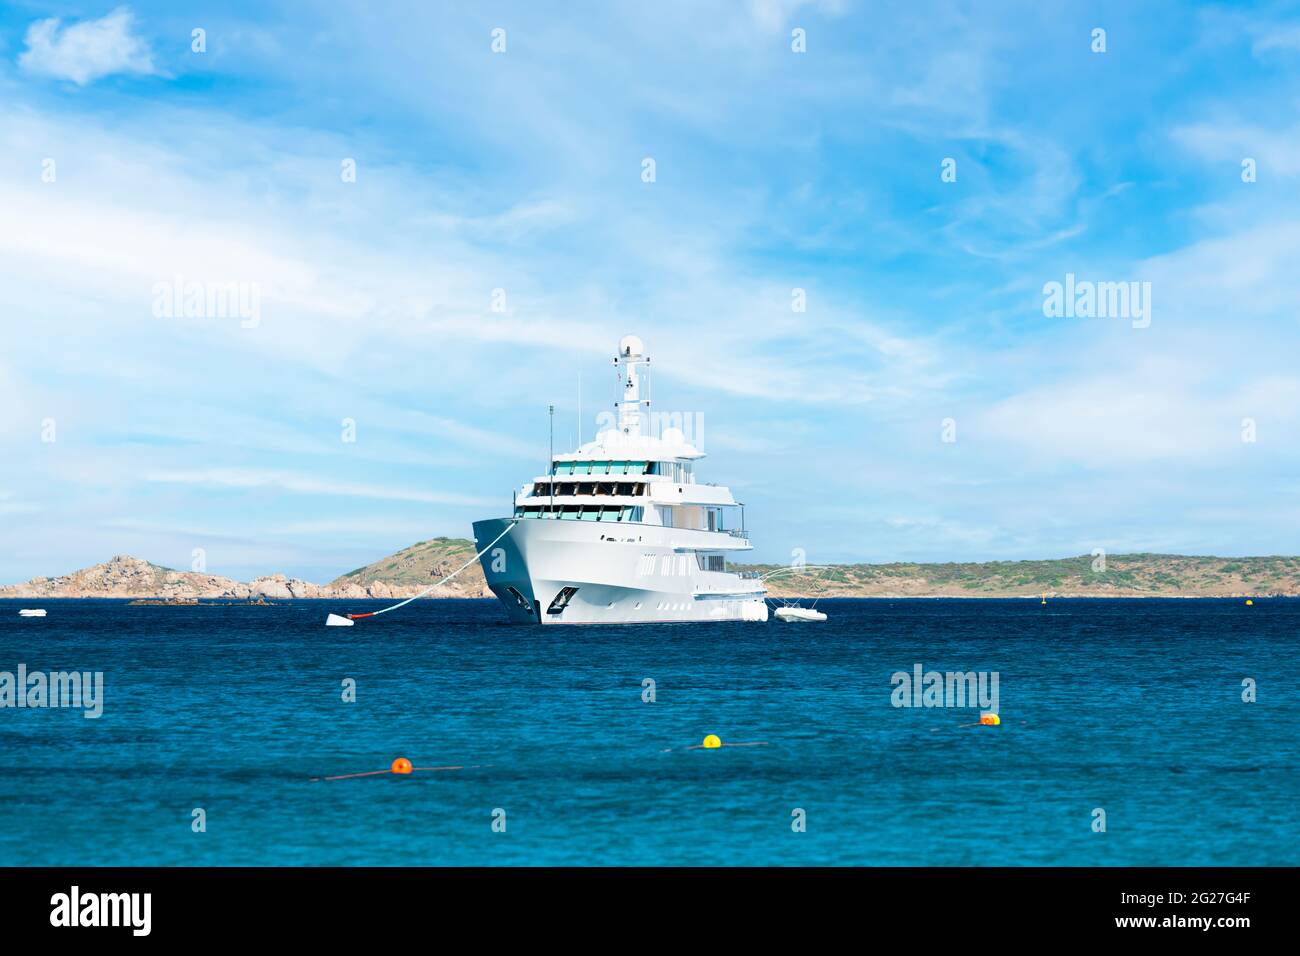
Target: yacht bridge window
{"x": 543, "y": 489}
{"x": 581, "y": 512}
{"x": 605, "y": 468}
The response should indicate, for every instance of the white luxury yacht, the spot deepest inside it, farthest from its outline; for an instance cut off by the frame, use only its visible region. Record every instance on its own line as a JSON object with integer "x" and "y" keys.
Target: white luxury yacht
{"x": 620, "y": 532}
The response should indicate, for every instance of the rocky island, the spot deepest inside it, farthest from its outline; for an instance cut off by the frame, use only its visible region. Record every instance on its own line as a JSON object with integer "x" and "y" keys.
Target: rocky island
{"x": 400, "y": 575}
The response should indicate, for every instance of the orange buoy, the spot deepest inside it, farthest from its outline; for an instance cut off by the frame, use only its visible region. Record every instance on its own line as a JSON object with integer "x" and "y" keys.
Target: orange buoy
{"x": 401, "y": 765}
{"x": 990, "y": 720}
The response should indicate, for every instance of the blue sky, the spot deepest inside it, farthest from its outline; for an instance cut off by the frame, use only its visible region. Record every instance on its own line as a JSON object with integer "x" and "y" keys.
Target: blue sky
{"x": 522, "y": 171}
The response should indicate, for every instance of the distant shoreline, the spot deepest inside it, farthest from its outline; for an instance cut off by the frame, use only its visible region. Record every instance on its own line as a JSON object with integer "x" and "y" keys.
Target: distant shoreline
{"x": 413, "y": 569}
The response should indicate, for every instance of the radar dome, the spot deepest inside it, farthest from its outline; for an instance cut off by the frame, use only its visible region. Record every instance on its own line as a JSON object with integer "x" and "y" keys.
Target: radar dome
{"x": 673, "y": 436}
{"x": 630, "y": 345}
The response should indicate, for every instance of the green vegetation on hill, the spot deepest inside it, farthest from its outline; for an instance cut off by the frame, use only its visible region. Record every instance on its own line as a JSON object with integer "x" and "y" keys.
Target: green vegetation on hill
{"x": 415, "y": 568}
{"x": 1123, "y": 574}
{"x": 1127, "y": 575}
{"x": 420, "y": 564}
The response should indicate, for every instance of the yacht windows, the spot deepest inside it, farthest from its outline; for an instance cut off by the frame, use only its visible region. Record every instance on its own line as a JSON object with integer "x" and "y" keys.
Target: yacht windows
{"x": 716, "y": 518}
{"x": 683, "y": 516}
{"x": 603, "y": 468}
{"x": 711, "y": 562}
{"x": 581, "y": 512}
{"x": 682, "y": 472}
{"x": 625, "y": 489}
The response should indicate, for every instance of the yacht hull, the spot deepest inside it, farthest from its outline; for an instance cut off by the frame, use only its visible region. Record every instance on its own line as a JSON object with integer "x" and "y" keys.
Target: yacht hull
{"x": 548, "y": 571}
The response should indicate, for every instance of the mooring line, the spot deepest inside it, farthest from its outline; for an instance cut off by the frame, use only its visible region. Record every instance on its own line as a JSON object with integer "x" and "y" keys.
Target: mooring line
{"x": 357, "y": 617}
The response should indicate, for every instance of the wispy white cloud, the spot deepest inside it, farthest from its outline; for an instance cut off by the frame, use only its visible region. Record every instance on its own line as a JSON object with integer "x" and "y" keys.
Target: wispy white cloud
{"x": 1152, "y": 413}
{"x": 310, "y": 485}
{"x": 775, "y": 14}
{"x": 1230, "y": 142}
{"x": 87, "y": 50}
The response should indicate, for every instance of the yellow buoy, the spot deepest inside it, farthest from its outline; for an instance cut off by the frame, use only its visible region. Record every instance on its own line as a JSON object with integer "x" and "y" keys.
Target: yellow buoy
{"x": 401, "y": 765}
{"x": 1249, "y": 602}
{"x": 712, "y": 742}
{"x": 990, "y": 720}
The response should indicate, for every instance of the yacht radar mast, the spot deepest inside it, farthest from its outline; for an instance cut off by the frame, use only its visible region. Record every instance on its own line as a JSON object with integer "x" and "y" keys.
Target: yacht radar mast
{"x": 631, "y": 356}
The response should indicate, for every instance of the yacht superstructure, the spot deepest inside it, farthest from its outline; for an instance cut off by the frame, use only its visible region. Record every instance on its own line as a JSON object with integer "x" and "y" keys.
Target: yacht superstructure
{"x": 620, "y": 531}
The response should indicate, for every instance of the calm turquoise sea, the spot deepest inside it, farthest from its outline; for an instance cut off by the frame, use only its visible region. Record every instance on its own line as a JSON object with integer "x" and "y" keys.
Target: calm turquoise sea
{"x": 1134, "y": 707}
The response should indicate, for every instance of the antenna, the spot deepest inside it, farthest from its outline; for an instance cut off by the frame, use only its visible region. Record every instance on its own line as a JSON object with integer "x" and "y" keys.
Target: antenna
{"x": 550, "y": 470}
{"x": 579, "y": 409}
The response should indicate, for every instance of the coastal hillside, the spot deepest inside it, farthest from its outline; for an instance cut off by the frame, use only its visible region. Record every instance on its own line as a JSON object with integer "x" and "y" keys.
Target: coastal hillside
{"x": 124, "y": 576}
{"x": 400, "y": 575}
{"x": 1125, "y": 575}
{"x": 420, "y": 565}
{"x": 412, "y": 569}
